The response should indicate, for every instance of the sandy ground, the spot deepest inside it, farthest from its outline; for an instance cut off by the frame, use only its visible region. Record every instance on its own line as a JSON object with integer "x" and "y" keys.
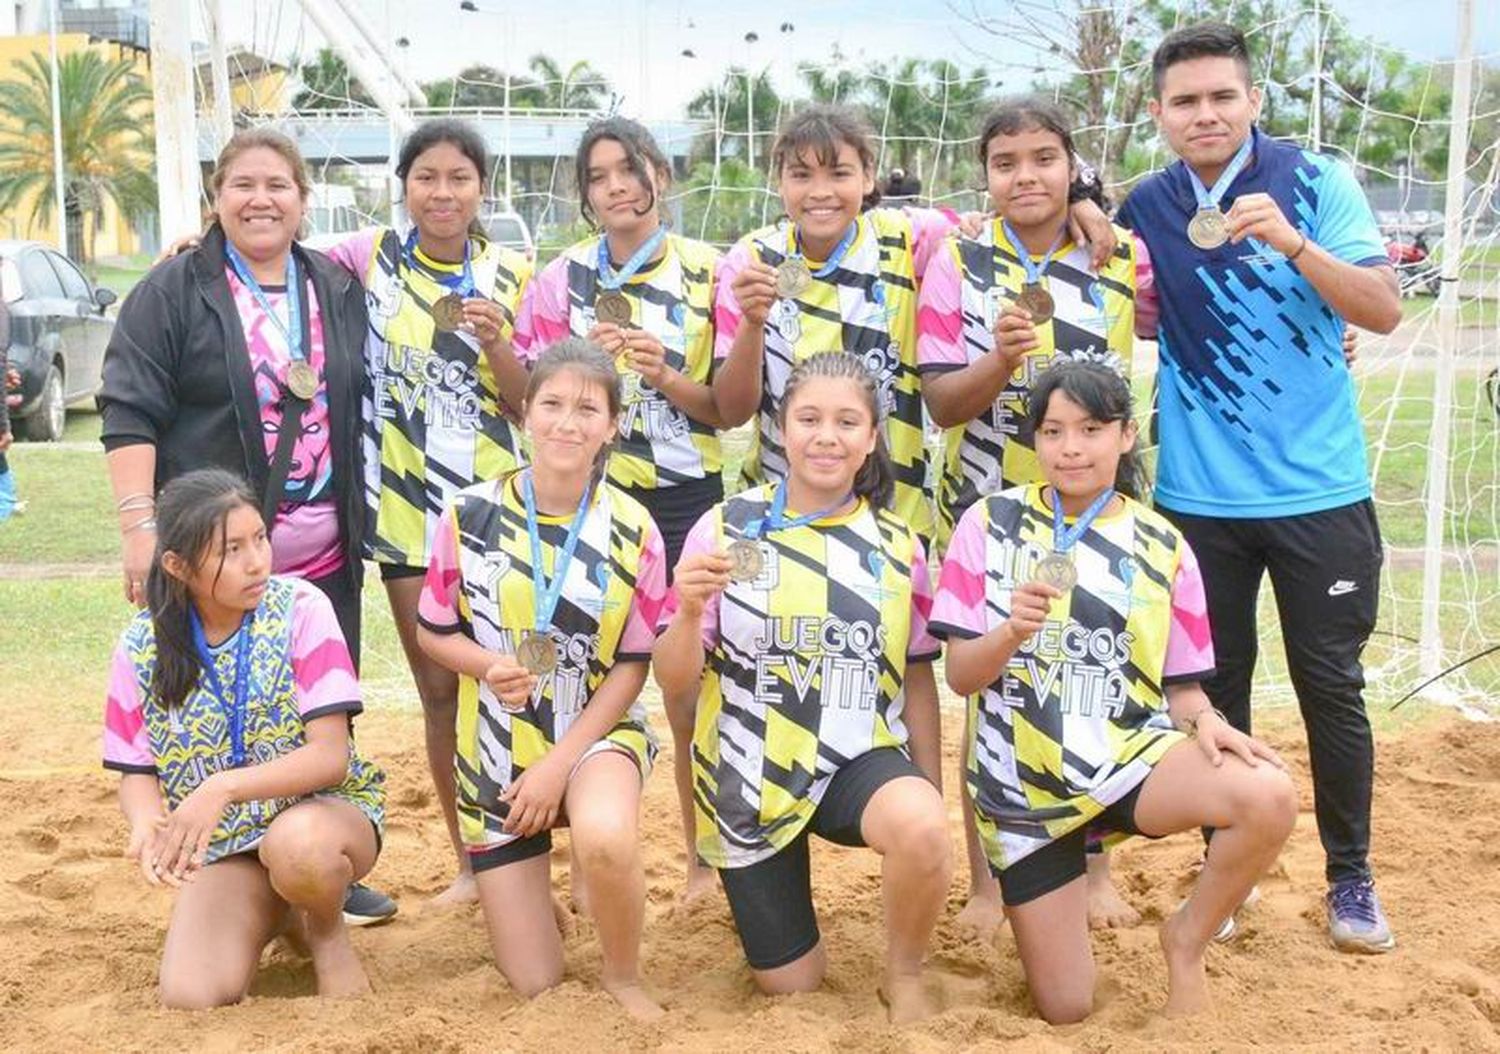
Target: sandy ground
{"x": 81, "y": 935}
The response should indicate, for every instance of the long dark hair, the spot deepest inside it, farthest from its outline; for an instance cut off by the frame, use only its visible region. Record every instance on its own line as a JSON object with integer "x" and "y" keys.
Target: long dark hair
{"x": 1105, "y": 396}
{"x": 192, "y": 511}
{"x": 641, "y": 153}
{"x": 460, "y": 134}
{"x": 594, "y": 365}
{"x": 821, "y": 128}
{"x": 876, "y": 479}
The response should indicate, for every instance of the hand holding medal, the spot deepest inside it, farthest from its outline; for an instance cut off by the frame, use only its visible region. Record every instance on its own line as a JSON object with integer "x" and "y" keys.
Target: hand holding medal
{"x": 448, "y": 311}
{"x": 511, "y": 682}
{"x": 1014, "y": 335}
{"x": 755, "y": 291}
{"x": 1034, "y": 298}
{"x": 698, "y": 578}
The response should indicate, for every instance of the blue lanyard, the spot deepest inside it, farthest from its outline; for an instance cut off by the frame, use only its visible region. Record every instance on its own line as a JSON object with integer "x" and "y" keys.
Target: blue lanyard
{"x": 547, "y": 594}
{"x": 241, "y": 680}
{"x": 292, "y": 328}
{"x": 1209, "y": 199}
{"x": 612, "y": 279}
{"x": 1065, "y": 537}
{"x": 462, "y": 284}
{"x": 775, "y": 519}
{"x": 839, "y": 251}
{"x": 1033, "y": 271}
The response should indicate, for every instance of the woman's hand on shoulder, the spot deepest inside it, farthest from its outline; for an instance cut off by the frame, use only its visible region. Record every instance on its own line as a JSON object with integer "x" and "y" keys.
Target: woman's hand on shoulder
{"x": 187, "y": 243}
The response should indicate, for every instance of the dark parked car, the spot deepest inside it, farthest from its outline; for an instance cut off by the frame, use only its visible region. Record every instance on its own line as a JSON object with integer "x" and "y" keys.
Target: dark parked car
{"x": 58, "y": 333}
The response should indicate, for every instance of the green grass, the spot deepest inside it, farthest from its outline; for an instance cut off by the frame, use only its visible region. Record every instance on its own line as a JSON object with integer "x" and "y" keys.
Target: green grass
{"x": 70, "y": 513}
{"x": 1473, "y": 313}
{"x": 121, "y": 274}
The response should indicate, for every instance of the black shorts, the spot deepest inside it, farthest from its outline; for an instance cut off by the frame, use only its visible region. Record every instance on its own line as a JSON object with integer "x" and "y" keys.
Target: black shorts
{"x": 1059, "y": 862}
{"x": 675, "y": 509}
{"x": 772, "y": 900}
{"x": 391, "y": 572}
{"x": 511, "y": 852}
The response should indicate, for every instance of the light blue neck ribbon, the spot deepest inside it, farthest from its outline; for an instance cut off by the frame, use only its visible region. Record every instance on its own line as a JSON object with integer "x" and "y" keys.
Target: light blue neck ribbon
{"x": 776, "y": 519}
{"x": 1034, "y": 271}
{"x": 1065, "y": 537}
{"x": 238, "y": 705}
{"x": 462, "y": 284}
{"x": 547, "y": 593}
{"x": 1209, "y": 199}
{"x": 292, "y": 328}
{"x": 840, "y": 250}
{"x": 609, "y": 278}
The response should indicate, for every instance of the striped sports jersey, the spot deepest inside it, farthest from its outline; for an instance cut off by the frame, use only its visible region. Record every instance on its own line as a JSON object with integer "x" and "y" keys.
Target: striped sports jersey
{"x": 1077, "y": 718}
{"x": 433, "y": 418}
{"x": 480, "y": 583}
{"x": 659, "y": 445}
{"x": 867, "y": 306}
{"x": 963, "y": 293}
{"x": 300, "y": 670}
{"x": 805, "y": 668}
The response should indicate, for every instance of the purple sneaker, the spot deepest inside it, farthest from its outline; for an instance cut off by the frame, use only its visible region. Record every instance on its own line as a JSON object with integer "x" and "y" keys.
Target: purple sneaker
{"x": 1355, "y": 921}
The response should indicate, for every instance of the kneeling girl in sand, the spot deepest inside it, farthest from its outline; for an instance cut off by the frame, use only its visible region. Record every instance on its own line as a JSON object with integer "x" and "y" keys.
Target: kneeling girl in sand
{"x": 228, "y": 716}
{"x": 799, "y": 615}
{"x": 1077, "y": 627}
{"x": 543, "y": 595}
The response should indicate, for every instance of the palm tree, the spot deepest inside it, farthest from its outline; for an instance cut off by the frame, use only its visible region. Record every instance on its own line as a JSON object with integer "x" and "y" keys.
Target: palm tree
{"x": 327, "y": 84}
{"x": 581, "y": 87}
{"x": 728, "y": 105}
{"x": 106, "y": 147}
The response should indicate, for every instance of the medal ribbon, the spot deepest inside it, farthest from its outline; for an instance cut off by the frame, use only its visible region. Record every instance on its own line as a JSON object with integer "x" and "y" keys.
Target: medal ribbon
{"x": 462, "y": 284}
{"x": 609, "y": 278}
{"x": 841, "y": 250}
{"x": 1209, "y": 199}
{"x": 291, "y": 329}
{"x": 547, "y": 594}
{"x": 1065, "y": 537}
{"x": 237, "y": 708}
{"x": 1034, "y": 271}
{"x": 775, "y": 519}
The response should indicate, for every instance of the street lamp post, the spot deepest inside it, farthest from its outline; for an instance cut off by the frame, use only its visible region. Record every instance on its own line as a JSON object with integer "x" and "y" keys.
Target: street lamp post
{"x": 57, "y": 145}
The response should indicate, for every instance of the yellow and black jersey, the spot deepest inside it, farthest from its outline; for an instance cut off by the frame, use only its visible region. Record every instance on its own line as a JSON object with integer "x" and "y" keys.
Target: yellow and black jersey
{"x": 434, "y": 422}
{"x": 867, "y": 306}
{"x": 805, "y": 671}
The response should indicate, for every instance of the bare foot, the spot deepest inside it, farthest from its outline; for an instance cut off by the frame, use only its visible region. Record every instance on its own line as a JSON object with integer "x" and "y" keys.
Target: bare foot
{"x": 983, "y": 915}
{"x": 633, "y": 998}
{"x": 700, "y": 882}
{"x": 1187, "y": 978}
{"x": 337, "y": 968}
{"x": 566, "y": 924}
{"x": 1107, "y": 909}
{"x": 905, "y": 999}
{"x": 462, "y": 891}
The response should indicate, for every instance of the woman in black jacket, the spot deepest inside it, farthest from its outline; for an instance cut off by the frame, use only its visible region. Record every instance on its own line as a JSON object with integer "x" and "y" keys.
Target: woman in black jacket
{"x": 217, "y": 360}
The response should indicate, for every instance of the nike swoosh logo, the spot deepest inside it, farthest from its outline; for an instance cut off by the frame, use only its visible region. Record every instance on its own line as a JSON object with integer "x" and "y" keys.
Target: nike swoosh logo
{"x": 1341, "y": 587}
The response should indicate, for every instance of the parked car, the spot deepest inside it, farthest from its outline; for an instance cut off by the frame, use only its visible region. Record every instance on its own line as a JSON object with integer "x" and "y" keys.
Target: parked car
{"x": 58, "y": 333}
{"x": 510, "y": 230}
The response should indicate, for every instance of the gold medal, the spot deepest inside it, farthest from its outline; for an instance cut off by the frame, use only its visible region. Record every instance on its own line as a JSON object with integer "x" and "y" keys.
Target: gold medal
{"x": 537, "y": 654}
{"x": 747, "y": 561}
{"x": 792, "y": 278}
{"x": 302, "y": 381}
{"x": 1208, "y": 229}
{"x": 613, "y": 306}
{"x": 1037, "y": 302}
{"x": 448, "y": 313}
{"x": 1057, "y": 570}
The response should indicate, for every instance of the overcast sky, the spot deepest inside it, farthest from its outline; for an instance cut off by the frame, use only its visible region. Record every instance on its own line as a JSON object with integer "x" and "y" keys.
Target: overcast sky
{"x": 639, "y": 44}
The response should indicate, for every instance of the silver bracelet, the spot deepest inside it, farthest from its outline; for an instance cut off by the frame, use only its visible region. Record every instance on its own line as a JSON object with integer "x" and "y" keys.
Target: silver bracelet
{"x": 134, "y": 502}
{"x": 1189, "y": 724}
{"x": 147, "y": 524}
